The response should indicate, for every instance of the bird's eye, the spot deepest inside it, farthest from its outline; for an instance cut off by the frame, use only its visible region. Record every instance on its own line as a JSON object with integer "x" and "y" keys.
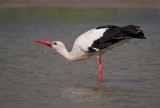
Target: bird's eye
{"x": 54, "y": 43}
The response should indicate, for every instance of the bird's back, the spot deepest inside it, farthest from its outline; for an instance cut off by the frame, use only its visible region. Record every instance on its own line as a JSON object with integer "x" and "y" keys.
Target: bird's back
{"x": 109, "y": 35}
{"x": 104, "y": 36}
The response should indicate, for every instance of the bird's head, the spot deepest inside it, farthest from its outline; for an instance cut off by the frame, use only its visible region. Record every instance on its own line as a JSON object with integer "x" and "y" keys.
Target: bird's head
{"x": 57, "y": 45}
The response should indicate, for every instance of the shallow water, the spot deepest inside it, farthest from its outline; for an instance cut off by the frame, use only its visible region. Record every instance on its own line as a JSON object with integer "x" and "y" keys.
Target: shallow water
{"x": 34, "y": 76}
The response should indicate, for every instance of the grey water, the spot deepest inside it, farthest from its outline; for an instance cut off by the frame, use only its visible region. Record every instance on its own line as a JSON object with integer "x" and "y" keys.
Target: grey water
{"x": 35, "y": 76}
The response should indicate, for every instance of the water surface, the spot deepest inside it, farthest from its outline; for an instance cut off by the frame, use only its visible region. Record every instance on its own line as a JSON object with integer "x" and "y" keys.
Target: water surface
{"x": 34, "y": 76}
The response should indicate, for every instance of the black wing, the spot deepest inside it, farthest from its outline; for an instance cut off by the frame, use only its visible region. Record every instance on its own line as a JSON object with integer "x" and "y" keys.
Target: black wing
{"x": 116, "y": 34}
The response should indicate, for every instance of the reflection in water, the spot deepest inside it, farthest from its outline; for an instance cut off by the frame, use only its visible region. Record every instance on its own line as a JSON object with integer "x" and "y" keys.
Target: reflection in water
{"x": 77, "y": 93}
{"x": 34, "y": 76}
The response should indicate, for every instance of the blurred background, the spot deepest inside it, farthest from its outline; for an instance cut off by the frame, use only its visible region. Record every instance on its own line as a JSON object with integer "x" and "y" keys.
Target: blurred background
{"x": 35, "y": 76}
{"x": 80, "y": 3}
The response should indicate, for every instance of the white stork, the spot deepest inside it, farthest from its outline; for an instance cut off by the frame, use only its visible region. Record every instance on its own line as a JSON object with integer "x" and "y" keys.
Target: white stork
{"x": 96, "y": 42}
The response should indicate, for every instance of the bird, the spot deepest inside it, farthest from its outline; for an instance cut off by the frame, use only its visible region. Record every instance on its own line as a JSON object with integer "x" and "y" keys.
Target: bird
{"x": 96, "y": 42}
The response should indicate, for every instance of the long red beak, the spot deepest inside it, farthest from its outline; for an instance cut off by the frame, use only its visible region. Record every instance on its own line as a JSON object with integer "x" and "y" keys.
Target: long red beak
{"x": 48, "y": 43}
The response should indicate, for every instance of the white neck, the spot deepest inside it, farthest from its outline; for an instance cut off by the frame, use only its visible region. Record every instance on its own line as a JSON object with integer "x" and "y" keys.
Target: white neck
{"x": 68, "y": 55}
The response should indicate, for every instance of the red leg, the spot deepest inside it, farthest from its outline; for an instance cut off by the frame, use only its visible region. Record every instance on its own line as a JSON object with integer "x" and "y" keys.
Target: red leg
{"x": 100, "y": 69}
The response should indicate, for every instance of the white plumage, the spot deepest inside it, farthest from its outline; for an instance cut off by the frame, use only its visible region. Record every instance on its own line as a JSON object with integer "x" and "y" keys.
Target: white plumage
{"x": 86, "y": 40}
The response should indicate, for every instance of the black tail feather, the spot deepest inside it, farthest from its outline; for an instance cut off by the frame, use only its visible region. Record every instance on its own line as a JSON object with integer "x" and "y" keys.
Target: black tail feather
{"x": 133, "y": 32}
